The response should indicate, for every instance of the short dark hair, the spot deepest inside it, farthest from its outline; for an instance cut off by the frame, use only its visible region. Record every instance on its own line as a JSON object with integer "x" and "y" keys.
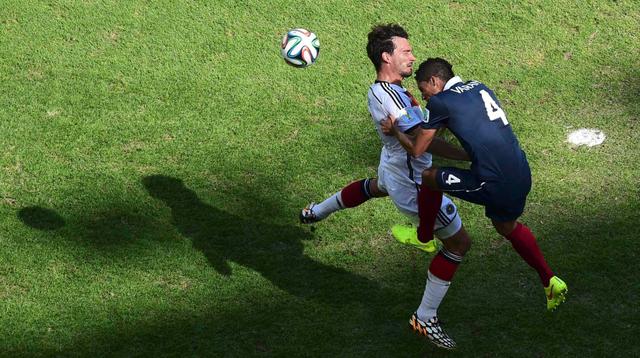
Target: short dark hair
{"x": 437, "y": 67}
{"x": 380, "y": 41}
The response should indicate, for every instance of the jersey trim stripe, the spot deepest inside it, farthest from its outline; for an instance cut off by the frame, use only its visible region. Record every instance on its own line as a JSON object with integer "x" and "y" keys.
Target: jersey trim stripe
{"x": 447, "y": 225}
{"x": 393, "y": 94}
{"x": 444, "y": 219}
{"x": 365, "y": 188}
{"x": 410, "y": 167}
{"x": 450, "y": 256}
{"x": 465, "y": 190}
{"x": 373, "y": 93}
{"x": 411, "y": 173}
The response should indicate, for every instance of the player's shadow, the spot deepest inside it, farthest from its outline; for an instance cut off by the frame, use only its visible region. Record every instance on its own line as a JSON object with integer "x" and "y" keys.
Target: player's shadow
{"x": 275, "y": 251}
{"x": 40, "y": 218}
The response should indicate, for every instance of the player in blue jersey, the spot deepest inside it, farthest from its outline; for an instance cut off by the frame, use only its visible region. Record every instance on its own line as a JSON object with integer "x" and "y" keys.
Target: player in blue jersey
{"x": 499, "y": 177}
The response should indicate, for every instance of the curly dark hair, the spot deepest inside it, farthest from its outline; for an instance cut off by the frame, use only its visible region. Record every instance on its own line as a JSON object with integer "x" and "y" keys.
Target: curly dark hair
{"x": 380, "y": 41}
{"x": 437, "y": 67}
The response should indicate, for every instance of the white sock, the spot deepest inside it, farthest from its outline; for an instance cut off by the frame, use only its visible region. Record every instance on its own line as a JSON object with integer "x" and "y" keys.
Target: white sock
{"x": 328, "y": 206}
{"x": 434, "y": 292}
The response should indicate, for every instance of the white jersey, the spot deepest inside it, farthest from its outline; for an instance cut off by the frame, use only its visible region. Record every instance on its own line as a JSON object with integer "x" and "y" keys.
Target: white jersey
{"x": 399, "y": 173}
{"x": 386, "y": 99}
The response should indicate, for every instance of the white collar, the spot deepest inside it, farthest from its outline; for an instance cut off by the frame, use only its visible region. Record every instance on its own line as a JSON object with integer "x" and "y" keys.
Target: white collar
{"x": 452, "y": 82}
{"x": 392, "y": 84}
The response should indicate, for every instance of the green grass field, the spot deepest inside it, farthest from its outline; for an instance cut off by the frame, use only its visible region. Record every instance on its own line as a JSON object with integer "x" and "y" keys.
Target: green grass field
{"x": 155, "y": 155}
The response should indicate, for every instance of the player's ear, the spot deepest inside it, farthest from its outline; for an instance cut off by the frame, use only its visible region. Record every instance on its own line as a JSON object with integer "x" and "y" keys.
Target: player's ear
{"x": 386, "y": 57}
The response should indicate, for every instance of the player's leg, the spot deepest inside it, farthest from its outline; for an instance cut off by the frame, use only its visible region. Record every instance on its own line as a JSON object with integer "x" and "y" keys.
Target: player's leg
{"x": 429, "y": 201}
{"x": 524, "y": 243}
{"x": 441, "y": 271}
{"x": 404, "y": 194}
{"x": 461, "y": 183}
{"x": 447, "y": 221}
{"x": 350, "y": 196}
{"x": 507, "y": 204}
{"x": 456, "y": 242}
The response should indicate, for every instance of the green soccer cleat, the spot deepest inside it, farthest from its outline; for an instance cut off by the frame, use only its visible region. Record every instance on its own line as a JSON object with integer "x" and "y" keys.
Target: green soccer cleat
{"x": 408, "y": 235}
{"x": 556, "y": 293}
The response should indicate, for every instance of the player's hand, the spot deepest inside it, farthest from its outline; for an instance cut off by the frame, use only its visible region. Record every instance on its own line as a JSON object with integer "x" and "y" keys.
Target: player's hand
{"x": 388, "y": 125}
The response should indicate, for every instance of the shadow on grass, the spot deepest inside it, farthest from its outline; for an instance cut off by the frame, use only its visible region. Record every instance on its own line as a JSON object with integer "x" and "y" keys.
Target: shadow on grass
{"x": 275, "y": 251}
{"x": 40, "y": 218}
{"x": 113, "y": 231}
{"x": 581, "y": 246}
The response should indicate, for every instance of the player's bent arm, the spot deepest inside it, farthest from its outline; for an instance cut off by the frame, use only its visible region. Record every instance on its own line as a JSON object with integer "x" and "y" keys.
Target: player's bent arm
{"x": 422, "y": 140}
{"x": 415, "y": 146}
{"x": 442, "y": 148}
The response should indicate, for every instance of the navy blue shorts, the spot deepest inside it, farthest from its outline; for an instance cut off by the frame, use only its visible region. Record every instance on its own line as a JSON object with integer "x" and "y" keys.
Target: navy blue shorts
{"x": 503, "y": 201}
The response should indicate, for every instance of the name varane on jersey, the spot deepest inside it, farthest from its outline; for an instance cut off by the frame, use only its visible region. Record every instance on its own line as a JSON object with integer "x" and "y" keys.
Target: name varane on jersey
{"x": 465, "y": 87}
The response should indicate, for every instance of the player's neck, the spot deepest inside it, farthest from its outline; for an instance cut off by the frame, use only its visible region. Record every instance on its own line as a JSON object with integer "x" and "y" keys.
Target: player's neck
{"x": 387, "y": 76}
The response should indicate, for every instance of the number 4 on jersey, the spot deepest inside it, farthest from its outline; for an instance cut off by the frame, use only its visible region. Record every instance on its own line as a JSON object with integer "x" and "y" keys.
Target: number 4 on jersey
{"x": 452, "y": 179}
{"x": 493, "y": 110}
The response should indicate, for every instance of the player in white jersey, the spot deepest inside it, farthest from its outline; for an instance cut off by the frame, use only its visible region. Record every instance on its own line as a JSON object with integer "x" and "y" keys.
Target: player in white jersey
{"x": 399, "y": 175}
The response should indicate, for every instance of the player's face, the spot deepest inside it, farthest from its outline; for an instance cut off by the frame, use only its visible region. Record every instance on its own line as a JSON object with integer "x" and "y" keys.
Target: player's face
{"x": 402, "y": 58}
{"x": 429, "y": 88}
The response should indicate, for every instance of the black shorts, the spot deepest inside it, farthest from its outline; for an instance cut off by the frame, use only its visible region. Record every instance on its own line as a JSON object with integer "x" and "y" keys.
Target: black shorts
{"x": 502, "y": 200}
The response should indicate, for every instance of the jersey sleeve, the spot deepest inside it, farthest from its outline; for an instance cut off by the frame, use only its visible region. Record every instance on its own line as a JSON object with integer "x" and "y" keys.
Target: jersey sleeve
{"x": 410, "y": 118}
{"x": 436, "y": 115}
{"x": 391, "y": 102}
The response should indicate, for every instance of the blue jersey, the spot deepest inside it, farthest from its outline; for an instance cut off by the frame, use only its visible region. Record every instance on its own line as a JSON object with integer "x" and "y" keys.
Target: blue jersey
{"x": 473, "y": 114}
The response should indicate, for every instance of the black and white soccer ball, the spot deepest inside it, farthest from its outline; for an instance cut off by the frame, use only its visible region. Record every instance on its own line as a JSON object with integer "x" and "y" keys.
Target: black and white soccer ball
{"x": 300, "y": 47}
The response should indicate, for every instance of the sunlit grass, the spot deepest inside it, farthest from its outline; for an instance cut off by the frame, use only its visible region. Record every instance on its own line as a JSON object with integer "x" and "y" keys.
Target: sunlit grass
{"x": 154, "y": 157}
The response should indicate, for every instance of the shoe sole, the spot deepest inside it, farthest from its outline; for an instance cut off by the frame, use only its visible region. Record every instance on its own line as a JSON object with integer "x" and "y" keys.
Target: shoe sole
{"x": 562, "y": 297}
{"x": 417, "y": 330}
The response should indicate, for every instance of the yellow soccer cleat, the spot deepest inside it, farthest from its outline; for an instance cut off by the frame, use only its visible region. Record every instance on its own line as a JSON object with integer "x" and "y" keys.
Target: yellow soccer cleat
{"x": 556, "y": 293}
{"x": 408, "y": 235}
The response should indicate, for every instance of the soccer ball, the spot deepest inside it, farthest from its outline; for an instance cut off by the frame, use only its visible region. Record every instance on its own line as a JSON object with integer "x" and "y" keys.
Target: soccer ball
{"x": 300, "y": 47}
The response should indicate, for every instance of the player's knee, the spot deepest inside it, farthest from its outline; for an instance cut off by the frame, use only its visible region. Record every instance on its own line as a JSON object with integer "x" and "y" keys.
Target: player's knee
{"x": 427, "y": 173}
{"x": 429, "y": 178}
{"x": 375, "y": 190}
{"x": 504, "y": 228}
{"x": 464, "y": 242}
{"x": 459, "y": 243}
